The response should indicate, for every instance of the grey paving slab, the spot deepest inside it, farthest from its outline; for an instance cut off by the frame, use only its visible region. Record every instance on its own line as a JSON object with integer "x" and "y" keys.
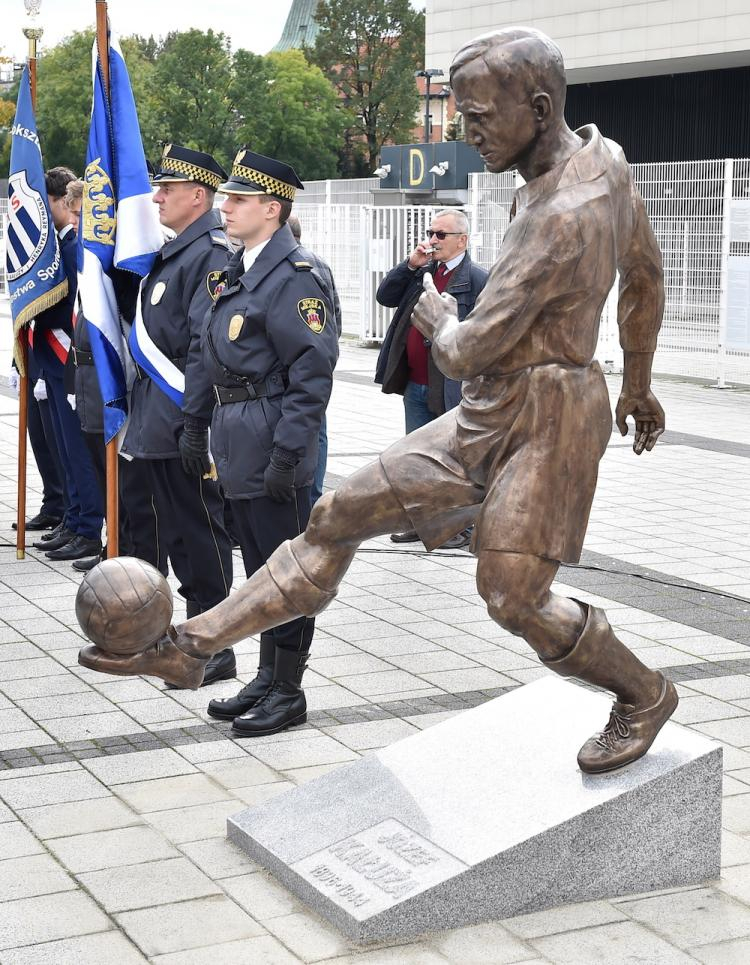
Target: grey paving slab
{"x": 263, "y": 950}
{"x": 16, "y": 841}
{"x": 487, "y": 944}
{"x": 108, "y": 946}
{"x": 615, "y": 944}
{"x": 196, "y": 822}
{"x": 200, "y": 923}
{"x": 78, "y": 817}
{"x": 29, "y": 921}
{"x": 148, "y": 885}
{"x": 261, "y": 895}
{"x": 218, "y": 857}
{"x": 46, "y": 788}
{"x": 27, "y": 877}
{"x": 110, "y": 849}
{"x": 696, "y": 917}
{"x": 131, "y": 767}
{"x": 242, "y": 772}
{"x": 162, "y": 794}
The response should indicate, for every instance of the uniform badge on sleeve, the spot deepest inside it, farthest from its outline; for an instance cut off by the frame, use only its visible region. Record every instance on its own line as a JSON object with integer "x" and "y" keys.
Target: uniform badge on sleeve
{"x": 312, "y": 311}
{"x": 215, "y": 283}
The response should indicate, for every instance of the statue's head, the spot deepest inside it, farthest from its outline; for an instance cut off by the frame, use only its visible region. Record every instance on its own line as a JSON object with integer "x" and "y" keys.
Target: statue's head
{"x": 510, "y": 87}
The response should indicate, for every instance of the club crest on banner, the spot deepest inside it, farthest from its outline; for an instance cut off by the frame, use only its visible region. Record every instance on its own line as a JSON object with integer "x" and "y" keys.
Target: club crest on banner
{"x": 99, "y": 219}
{"x": 28, "y": 226}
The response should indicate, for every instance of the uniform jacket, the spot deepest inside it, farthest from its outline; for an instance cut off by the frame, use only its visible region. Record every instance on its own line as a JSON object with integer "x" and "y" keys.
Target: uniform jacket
{"x": 401, "y": 289}
{"x": 176, "y": 295}
{"x": 572, "y": 228}
{"x": 59, "y": 315}
{"x": 272, "y": 326}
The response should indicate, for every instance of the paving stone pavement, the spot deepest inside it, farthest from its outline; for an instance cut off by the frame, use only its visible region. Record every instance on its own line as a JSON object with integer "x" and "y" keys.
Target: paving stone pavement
{"x": 114, "y": 792}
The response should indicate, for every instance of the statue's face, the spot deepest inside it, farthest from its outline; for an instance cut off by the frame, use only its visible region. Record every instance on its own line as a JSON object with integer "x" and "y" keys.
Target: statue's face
{"x": 499, "y": 119}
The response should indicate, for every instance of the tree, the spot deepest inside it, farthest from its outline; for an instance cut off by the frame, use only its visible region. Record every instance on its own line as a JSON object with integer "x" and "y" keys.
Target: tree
{"x": 64, "y": 92}
{"x": 369, "y": 52}
{"x": 191, "y": 88}
{"x": 295, "y": 114}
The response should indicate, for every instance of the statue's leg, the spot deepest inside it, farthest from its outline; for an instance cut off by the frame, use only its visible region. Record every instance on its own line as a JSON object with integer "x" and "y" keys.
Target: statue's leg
{"x": 300, "y": 579}
{"x": 575, "y": 640}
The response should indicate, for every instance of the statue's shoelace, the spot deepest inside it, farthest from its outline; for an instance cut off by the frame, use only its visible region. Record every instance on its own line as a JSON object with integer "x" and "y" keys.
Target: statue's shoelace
{"x": 617, "y": 729}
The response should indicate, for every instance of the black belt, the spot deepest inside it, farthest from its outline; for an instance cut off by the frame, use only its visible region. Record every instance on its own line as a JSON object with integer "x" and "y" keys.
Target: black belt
{"x": 82, "y": 358}
{"x": 226, "y": 394}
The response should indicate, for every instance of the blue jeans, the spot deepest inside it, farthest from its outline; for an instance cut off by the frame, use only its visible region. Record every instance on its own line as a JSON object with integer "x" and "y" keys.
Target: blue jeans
{"x": 415, "y": 406}
{"x": 320, "y": 470}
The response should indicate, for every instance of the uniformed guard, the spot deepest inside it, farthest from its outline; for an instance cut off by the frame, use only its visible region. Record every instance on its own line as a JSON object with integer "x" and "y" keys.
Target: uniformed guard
{"x": 171, "y": 400}
{"x": 270, "y": 345}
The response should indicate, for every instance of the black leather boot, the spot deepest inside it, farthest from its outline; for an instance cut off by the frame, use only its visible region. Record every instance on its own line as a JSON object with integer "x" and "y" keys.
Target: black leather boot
{"x": 227, "y": 708}
{"x": 284, "y": 705}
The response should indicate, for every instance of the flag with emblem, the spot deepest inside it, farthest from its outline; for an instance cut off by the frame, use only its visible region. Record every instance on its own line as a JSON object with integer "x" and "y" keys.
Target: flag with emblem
{"x": 34, "y": 271}
{"x": 119, "y": 233}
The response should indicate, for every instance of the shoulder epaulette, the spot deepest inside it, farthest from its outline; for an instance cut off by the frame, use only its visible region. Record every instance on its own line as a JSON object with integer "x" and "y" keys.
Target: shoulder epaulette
{"x": 218, "y": 238}
{"x": 302, "y": 265}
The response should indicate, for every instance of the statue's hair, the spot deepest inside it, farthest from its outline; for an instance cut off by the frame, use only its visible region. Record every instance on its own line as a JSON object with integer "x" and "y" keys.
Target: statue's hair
{"x": 522, "y": 52}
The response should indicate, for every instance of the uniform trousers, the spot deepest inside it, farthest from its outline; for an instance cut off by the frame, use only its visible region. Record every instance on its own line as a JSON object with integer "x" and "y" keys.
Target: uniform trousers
{"x": 262, "y": 525}
{"x": 44, "y": 447}
{"x": 190, "y": 523}
{"x": 85, "y": 510}
{"x": 138, "y": 533}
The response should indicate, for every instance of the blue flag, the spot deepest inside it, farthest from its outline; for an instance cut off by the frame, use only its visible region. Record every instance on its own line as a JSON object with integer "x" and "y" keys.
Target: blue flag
{"x": 120, "y": 231}
{"x": 34, "y": 269}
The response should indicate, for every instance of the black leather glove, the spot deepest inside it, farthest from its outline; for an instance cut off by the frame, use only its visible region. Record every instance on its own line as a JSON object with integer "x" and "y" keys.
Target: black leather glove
{"x": 278, "y": 479}
{"x": 193, "y": 444}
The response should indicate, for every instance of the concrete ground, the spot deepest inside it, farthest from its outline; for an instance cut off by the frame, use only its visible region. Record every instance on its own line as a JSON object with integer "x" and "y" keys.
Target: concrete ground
{"x": 114, "y": 792}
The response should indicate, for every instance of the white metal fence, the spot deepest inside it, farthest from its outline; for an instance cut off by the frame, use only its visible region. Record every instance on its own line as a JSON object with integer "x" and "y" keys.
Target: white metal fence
{"x": 700, "y": 212}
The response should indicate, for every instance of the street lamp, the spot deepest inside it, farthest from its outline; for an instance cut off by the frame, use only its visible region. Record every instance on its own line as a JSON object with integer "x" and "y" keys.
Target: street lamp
{"x": 428, "y": 74}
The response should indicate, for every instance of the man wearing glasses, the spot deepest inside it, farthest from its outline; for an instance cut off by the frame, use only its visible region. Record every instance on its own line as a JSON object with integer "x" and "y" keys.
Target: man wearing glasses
{"x": 405, "y": 365}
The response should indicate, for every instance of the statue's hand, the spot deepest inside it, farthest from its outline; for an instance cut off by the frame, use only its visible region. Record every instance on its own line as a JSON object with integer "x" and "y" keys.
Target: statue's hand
{"x": 647, "y": 414}
{"x": 433, "y": 310}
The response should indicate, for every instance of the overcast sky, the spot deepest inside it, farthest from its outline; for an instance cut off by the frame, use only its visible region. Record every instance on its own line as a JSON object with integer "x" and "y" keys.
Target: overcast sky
{"x": 253, "y": 24}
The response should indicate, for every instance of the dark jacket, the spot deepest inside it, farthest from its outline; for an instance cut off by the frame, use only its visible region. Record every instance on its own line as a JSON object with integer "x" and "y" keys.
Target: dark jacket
{"x": 272, "y": 327}
{"x": 401, "y": 289}
{"x": 59, "y": 315}
{"x": 89, "y": 405}
{"x": 177, "y": 293}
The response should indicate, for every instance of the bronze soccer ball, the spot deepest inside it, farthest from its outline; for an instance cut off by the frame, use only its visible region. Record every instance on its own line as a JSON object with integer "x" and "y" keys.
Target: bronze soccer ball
{"x": 124, "y": 605}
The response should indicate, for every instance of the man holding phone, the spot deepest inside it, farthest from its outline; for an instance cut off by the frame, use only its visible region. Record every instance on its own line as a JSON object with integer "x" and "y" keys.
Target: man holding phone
{"x": 405, "y": 365}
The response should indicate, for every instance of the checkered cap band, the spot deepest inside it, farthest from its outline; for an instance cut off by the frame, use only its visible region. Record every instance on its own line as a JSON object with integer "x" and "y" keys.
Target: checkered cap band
{"x": 190, "y": 171}
{"x": 272, "y": 185}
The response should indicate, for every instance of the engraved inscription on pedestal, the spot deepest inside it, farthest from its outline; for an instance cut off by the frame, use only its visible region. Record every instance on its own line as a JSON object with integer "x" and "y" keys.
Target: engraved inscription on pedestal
{"x": 371, "y": 870}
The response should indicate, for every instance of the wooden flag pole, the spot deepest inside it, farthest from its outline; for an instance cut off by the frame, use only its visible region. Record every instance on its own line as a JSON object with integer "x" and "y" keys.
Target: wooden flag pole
{"x": 113, "y": 500}
{"x": 32, "y": 34}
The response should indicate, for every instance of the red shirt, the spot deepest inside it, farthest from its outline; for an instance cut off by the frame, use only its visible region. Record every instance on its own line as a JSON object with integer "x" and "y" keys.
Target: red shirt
{"x": 417, "y": 352}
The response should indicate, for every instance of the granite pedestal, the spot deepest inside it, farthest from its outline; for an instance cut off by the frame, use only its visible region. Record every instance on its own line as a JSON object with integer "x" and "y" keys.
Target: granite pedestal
{"x": 487, "y": 816}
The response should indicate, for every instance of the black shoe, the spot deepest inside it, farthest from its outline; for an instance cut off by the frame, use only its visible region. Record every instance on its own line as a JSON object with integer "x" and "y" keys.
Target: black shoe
{"x": 50, "y": 542}
{"x": 54, "y": 533}
{"x": 76, "y": 549}
{"x": 458, "y": 541}
{"x": 222, "y": 666}
{"x": 283, "y": 706}
{"x": 227, "y": 708}
{"x": 83, "y": 566}
{"x": 40, "y": 521}
{"x": 410, "y": 536}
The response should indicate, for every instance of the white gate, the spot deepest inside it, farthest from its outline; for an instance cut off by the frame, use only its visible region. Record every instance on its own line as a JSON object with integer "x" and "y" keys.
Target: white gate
{"x": 389, "y": 234}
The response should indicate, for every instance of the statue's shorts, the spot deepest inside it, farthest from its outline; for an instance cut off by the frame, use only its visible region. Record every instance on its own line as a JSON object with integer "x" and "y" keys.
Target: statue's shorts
{"x": 519, "y": 457}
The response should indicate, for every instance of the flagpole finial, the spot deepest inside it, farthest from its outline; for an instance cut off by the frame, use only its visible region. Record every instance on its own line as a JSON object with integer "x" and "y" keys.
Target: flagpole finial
{"x": 31, "y": 32}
